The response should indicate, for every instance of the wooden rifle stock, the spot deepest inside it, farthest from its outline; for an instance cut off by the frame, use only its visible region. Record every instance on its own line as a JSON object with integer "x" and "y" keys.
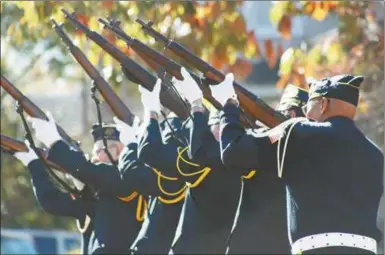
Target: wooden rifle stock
{"x": 252, "y": 104}
{"x": 155, "y": 59}
{"x": 147, "y": 80}
{"x": 116, "y": 104}
{"x": 33, "y": 110}
{"x": 10, "y": 144}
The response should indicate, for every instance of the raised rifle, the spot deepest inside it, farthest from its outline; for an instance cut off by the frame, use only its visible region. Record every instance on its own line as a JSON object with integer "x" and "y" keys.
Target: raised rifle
{"x": 116, "y": 104}
{"x": 135, "y": 71}
{"x": 159, "y": 62}
{"x": 33, "y": 110}
{"x": 252, "y": 104}
{"x": 12, "y": 145}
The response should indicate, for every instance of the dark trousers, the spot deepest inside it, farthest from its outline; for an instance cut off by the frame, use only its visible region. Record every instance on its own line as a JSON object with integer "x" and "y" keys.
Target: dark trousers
{"x": 338, "y": 250}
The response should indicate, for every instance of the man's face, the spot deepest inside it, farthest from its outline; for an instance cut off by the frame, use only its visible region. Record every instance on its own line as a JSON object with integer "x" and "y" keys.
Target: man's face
{"x": 316, "y": 108}
{"x": 99, "y": 155}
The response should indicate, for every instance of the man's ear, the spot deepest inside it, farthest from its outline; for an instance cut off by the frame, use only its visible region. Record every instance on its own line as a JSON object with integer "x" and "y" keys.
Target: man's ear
{"x": 324, "y": 106}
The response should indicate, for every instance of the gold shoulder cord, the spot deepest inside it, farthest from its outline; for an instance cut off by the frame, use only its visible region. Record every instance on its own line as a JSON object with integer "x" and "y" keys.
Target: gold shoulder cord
{"x": 250, "y": 175}
{"x": 180, "y": 194}
{"x": 141, "y": 205}
{"x": 204, "y": 172}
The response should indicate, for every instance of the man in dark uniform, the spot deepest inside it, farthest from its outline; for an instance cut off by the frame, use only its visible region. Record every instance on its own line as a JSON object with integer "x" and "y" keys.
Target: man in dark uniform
{"x": 333, "y": 173}
{"x": 158, "y": 229}
{"x": 114, "y": 220}
{"x": 209, "y": 208}
{"x": 57, "y": 202}
{"x": 262, "y": 225}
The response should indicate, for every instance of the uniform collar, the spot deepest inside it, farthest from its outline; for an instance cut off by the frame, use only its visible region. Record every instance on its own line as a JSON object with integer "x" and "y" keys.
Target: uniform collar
{"x": 339, "y": 119}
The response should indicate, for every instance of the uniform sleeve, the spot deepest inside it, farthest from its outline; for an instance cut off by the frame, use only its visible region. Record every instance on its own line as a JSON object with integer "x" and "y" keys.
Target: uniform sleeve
{"x": 153, "y": 152}
{"x": 202, "y": 149}
{"x": 50, "y": 198}
{"x": 138, "y": 176}
{"x": 101, "y": 176}
{"x": 241, "y": 149}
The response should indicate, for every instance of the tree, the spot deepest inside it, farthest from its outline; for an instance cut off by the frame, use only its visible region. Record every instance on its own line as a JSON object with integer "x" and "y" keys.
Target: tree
{"x": 357, "y": 48}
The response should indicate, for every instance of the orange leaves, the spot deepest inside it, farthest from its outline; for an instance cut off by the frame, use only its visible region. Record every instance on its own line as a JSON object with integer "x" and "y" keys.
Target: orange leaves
{"x": 107, "y": 4}
{"x": 319, "y": 10}
{"x": 84, "y": 19}
{"x": 284, "y": 27}
{"x": 241, "y": 69}
{"x": 271, "y": 57}
{"x": 251, "y": 47}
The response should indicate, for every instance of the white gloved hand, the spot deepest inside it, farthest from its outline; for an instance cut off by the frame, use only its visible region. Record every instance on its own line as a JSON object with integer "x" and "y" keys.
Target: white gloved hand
{"x": 188, "y": 88}
{"x": 127, "y": 132}
{"x": 45, "y": 131}
{"x": 26, "y": 157}
{"x": 224, "y": 90}
{"x": 151, "y": 99}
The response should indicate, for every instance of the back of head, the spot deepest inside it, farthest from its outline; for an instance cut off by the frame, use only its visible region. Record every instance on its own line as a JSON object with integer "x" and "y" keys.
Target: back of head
{"x": 341, "y": 93}
{"x": 292, "y": 101}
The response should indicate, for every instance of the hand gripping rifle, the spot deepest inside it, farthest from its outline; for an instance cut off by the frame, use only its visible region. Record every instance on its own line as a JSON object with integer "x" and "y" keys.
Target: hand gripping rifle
{"x": 33, "y": 110}
{"x": 131, "y": 69}
{"x": 252, "y": 104}
{"x": 159, "y": 61}
{"x": 11, "y": 145}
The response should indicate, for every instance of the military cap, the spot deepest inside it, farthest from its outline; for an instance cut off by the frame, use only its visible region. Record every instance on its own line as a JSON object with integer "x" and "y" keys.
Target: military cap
{"x": 344, "y": 87}
{"x": 108, "y": 130}
{"x": 293, "y": 96}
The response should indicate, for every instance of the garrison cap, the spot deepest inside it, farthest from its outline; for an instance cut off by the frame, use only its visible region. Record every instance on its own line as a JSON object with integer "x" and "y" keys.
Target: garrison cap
{"x": 109, "y": 130}
{"x": 344, "y": 87}
{"x": 293, "y": 96}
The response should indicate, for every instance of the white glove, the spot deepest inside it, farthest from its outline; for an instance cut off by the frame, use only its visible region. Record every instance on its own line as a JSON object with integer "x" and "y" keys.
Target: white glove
{"x": 45, "y": 131}
{"x": 224, "y": 90}
{"x": 150, "y": 99}
{"x": 127, "y": 132}
{"x": 188, "y": 88}
{"x": 26, "y": 157}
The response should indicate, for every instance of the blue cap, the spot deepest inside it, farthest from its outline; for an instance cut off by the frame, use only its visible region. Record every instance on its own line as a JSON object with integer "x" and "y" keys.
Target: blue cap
{"x": 344, "y": 87}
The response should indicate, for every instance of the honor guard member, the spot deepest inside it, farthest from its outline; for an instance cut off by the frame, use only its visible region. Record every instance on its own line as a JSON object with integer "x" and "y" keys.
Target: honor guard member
{"x": 262, "y": 224}
{"x": 57, "y": 202}
{"x": 114, "y": 216}
{"x": 209, "y": 208}
{"x": 333, "y": 173}
{"x": 159, "y": 226}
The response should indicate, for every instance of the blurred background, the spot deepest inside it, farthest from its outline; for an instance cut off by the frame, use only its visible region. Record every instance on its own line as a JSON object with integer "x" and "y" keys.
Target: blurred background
{"x": 266, "y": 44}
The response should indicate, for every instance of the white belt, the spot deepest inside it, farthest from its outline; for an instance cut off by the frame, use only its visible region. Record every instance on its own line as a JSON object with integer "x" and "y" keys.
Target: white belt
{"x": 333, "y": 239}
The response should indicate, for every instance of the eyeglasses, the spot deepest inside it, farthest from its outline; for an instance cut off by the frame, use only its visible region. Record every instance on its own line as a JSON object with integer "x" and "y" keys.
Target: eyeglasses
{"x": 311, "y": 101}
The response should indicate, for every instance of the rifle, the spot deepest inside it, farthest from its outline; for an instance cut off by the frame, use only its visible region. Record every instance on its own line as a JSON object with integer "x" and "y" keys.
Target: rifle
{"x": 252, "y": 104}
{"x": 159, "y": 61}
{"x": 33, "y": 110}
{"x": 132, "y": 69}
{"x": 11, "y": 145}
{"x": 115, "y": 103}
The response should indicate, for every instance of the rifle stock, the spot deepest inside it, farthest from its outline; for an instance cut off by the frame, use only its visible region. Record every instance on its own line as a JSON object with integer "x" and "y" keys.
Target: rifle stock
{"x": 135, "y": 70}
{"x": 116, "y": 104}
{"x": 33, "y": 110}
{"x": 252, "y": 104}
{"x": 13, "y": 145}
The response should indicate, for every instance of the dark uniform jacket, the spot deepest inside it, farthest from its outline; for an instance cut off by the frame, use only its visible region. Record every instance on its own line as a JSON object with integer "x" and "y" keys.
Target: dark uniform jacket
{"x": 57, "y": 202}
{"x": 209, "y": 208}
{"x": 159, "y": 226}
{"x": 333, "y": 173}
{"x": 261, "y": 225}
{"x": 114, "y": 221}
